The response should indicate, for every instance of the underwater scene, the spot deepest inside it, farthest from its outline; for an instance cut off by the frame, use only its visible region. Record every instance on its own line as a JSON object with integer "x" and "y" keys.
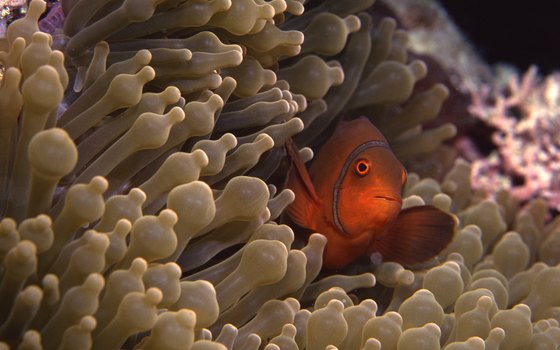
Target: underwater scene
{"x": 272, "y": 174}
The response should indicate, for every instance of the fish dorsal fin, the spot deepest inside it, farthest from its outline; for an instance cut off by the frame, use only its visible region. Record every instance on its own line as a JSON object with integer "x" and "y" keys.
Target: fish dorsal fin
{"x": 418, "y": 234}
{"x": 307, "y": 202}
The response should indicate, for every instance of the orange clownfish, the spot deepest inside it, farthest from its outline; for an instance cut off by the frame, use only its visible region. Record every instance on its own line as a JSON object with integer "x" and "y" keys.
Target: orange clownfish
{"x": 352, "y": 195}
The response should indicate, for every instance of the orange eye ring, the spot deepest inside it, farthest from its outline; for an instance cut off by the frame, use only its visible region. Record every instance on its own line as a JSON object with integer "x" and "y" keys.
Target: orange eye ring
{"x": 362, "y": 168}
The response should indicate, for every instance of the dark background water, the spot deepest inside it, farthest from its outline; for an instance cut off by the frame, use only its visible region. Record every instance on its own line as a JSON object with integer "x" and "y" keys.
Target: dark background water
{"x": 517, "y": 32}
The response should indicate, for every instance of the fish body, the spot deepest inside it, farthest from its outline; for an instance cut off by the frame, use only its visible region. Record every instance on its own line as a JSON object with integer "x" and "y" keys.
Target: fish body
{"x": 352, "y": 195}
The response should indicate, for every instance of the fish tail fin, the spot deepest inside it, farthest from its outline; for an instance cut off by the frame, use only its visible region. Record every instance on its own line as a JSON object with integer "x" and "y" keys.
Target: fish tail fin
{"x": 418, "y": 234}
{"x": 306, "y": 201}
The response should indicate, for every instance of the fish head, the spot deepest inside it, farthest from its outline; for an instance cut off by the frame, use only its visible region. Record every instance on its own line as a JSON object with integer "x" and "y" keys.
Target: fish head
{"x": 367, "y": 197}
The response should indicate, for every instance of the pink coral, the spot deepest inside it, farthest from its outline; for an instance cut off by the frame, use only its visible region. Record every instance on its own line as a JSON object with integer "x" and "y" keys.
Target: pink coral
{"x": 525, "y": 114}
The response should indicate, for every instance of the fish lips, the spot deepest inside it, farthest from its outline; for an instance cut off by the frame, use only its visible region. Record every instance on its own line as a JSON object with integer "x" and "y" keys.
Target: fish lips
{"x": 389, "y": 198}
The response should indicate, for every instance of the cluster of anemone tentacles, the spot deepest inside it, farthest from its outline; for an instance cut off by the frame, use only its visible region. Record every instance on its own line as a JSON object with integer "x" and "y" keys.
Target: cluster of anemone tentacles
{"x": 137, "y": 143}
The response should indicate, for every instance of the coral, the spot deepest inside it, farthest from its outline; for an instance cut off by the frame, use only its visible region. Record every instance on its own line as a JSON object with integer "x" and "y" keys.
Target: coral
{"x": 140, "y": 166}
{"x": 523, "y": 114}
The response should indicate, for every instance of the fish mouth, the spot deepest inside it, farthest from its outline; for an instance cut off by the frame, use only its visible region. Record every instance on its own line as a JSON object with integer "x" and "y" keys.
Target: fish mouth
{"x": 388, "y": 198}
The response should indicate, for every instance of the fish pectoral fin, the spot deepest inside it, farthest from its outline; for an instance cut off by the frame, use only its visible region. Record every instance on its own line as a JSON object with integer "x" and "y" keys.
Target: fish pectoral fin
{"x": 307, "y": 202}
{"x": 418, "y": 234}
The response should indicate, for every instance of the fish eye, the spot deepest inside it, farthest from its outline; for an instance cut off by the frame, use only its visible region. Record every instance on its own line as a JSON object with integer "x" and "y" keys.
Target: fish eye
{"x": 362, "y": 167}
{"x": 403, "y": 176}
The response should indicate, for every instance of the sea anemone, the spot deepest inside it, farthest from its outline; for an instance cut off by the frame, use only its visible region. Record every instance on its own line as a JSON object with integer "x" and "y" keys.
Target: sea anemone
{"x": 141, "y": 168}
